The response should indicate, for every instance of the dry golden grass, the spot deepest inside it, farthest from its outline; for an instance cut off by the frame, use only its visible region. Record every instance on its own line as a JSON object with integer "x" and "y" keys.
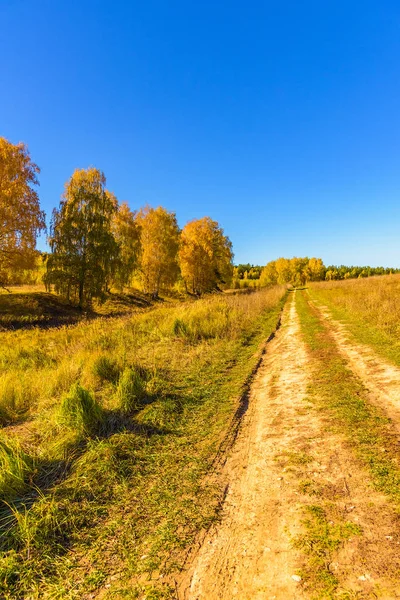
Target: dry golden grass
{"x": 370, "y": 306}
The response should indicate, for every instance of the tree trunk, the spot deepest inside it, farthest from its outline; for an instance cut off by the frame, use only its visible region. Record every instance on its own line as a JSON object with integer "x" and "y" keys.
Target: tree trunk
{"x": 81, "y": 289}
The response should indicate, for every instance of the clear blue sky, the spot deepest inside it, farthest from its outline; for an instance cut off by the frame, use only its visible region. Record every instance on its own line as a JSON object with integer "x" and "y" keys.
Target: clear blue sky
{"x": 281, "y": 120}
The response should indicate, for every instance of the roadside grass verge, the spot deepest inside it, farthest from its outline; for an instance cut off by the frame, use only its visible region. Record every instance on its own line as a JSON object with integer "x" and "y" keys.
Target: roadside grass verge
{"x": 123, "y": 434}
{"x": 369, "y": 307}
{"x": 336, "y": 391}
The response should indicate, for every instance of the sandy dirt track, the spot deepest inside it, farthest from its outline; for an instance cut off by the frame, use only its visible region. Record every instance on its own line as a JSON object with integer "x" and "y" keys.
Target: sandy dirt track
{"x": 283, "y": 441}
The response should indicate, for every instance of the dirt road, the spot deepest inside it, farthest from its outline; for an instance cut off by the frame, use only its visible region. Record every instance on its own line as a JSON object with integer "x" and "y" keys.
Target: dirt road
{"x": 286, "y": 448}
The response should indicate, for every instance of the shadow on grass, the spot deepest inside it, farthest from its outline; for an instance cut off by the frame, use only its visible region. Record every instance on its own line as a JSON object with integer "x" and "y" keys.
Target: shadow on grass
{"x": 48, "y": 474}
{"x": 46, "y": 311}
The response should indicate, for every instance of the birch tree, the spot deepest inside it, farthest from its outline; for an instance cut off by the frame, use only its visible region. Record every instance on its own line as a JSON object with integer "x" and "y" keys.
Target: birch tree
{"x": 205, "y": 256}
{"x": 159, "y": 240}
{"x": 21, "y": 219}
{"x": 126, "y": 232}
{"x": 82, "y": 243}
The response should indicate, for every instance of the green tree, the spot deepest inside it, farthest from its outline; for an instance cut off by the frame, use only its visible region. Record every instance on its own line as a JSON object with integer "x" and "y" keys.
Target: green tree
{"x": 21, "y": 219}
{"x": 82, "y": 243}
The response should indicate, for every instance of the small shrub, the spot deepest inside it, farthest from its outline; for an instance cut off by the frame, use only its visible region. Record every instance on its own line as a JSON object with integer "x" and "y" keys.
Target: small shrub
{"x": 180, "y": 328}
{"x": 15, "y": 398}
{"x": 106, "y": 369}
{"x": 131, "y": 390}
{"x": 44, "y": 526}
{"x": 15, "y": 467}
{"x": 80, "y": 411}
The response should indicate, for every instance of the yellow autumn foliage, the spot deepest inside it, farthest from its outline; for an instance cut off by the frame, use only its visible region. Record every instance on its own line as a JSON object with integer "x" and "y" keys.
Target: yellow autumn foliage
{"x": 159, "y": 238}
{"x": 205, "y": 256}
{"x": 21, "y": 219}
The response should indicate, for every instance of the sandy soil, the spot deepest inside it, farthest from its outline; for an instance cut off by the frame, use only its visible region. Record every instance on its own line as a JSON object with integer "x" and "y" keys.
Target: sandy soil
{"x": 283, "y": 441}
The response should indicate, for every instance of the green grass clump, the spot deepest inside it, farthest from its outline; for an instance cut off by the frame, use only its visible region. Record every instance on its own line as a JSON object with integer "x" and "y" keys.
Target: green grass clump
{"x": 308, "y": 486}
{"x": 298, "y": 458}
{"x": 163, "y": 414}
{"x": 9, "y": 568}
{"x": 15, "y": 468}
{"x": 320, "y": 541}
{"x": 16, "y": 398}
{"x": 131, "y": 391}
{"x": 180, "y": 328}
{"x": 80, "y": 411}
{"x": 106, "y": 369}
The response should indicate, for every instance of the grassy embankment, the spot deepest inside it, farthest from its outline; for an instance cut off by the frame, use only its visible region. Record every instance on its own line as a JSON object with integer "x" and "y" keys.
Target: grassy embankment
{"x": 340, "y": 395}
{"x": 109, "y": 431}
{"x": 369, "y": 307}
{"x": 22, "y": 307}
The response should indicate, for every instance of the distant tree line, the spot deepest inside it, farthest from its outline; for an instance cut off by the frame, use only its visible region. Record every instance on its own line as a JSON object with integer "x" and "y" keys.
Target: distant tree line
{"x": 247, "y": 271}
{"x": 98, "y": 243}
{"x": 342, "y": 272}
{"x": 299, "y": 271}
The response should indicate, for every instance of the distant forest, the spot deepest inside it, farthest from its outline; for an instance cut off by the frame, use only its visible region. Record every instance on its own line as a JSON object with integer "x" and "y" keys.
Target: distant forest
{"x": 298, "y": 271}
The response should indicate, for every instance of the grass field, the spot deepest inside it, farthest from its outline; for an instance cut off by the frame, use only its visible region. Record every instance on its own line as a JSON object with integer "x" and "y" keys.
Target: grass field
{"x": 110, "y": 430}
{"x": 369, "y": 307}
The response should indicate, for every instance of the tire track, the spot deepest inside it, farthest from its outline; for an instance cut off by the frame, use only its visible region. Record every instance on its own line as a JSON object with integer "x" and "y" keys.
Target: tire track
{"x": 283, "y": 441}
{"x": 249, "y": 555}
